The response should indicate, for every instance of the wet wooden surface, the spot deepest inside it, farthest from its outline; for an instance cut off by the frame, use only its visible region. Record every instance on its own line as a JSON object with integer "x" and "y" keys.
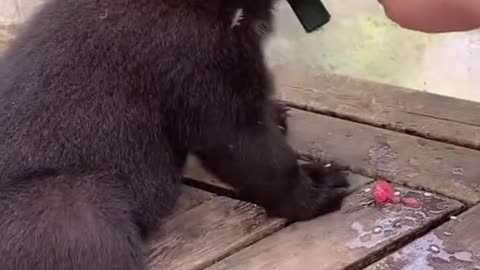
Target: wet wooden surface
{"x": 454, "y": 245}
{"x": 345, "y": 238}
{"x": 443, "y": 168}
{"x": 431, "y": 116}
{"x": 351, "y": 238}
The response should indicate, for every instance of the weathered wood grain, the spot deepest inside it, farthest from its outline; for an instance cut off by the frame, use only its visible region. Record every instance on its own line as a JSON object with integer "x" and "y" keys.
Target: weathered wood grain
{"x": 209, "y": 232}
{"x": 447, "y": 169}
{"x": 342, "y": 239}
{"x": 425, "y": 114}
{"x": 454, "y": 245}
{"x": 190, "y": 198}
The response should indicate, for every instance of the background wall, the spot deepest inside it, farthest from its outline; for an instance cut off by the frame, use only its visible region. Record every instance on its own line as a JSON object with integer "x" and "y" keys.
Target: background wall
{"x": 359, "y": 42}
{"x": 16, "y": 11}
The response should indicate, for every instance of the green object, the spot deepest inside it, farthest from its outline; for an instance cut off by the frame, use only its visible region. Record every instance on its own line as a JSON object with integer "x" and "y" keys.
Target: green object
{"x": 312, "y": 14}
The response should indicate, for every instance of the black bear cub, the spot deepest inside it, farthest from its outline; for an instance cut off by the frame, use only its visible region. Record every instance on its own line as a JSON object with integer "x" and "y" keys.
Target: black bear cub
{"x": 101, "y": 101}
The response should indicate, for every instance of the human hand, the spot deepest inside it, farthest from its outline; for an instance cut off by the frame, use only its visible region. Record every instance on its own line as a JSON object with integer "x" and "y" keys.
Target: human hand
{"x": 434, "y": 16}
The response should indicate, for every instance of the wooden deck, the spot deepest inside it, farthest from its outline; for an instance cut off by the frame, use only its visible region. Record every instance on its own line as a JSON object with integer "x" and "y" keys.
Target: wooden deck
{"x": 428, "y": 145}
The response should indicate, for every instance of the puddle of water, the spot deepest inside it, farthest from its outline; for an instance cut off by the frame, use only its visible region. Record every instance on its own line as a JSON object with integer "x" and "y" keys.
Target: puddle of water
{"x": 382, "y": 156}
{"x": 396, "y": 219}
{"x": 418, "y": 255}
{"x": 361, "y": 42}
{"x": 385, "y": 229}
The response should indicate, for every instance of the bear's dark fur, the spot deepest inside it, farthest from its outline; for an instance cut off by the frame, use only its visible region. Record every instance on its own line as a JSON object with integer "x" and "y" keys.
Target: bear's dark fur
{"x": 100, "y": 103}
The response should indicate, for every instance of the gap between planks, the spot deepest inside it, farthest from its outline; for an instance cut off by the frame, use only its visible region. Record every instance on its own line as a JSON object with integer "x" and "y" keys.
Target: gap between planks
{"x": 195, "y": 170}
{"x": 215, "y": 230}
{"x": 420, "y": 163}
{"x": 209, "y": 232}
{"x": 443, "y": 168}
{"x": 404, "y": 110}
{"x": 345, "y": 239}
{"x": 197, "y": 176}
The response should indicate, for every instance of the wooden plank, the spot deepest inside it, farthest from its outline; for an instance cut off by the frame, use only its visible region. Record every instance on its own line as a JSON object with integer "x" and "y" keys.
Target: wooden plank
{"x": 6, "y": 36}
{"x": 190, "y": 198}
{"x": 454, "y": 245}
{"x": 344, "y": 238}
{"x": 209, "y": 232}
{"x": 415, "y": 112}
{"x": 446, "y": 169}
{"x": 196, "y": 171}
